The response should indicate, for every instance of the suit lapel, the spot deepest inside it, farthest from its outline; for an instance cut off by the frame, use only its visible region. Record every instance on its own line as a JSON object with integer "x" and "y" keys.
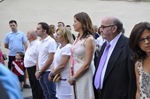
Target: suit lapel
{"x": 114, "y": 56}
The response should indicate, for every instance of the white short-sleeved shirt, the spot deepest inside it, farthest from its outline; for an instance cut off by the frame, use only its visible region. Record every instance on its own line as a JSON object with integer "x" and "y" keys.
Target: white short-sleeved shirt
{"x": 57, "y": 57}
{"x": 100, "y": 41}
{"x": 47, "y": 45}
{"x": 31, "y": 54}
{"x": 64, "y": 89}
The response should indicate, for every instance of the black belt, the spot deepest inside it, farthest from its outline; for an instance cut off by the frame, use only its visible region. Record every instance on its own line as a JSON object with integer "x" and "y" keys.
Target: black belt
{"x": 31, "y": 67}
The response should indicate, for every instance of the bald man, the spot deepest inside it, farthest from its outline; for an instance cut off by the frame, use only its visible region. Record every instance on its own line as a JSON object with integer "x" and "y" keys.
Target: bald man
{"x": 30, "y": 64}
{"x": 114, "y": 77}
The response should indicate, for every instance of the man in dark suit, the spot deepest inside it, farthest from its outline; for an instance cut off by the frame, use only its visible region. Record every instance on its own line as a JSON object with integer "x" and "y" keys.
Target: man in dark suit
{"x": 117, "y": 79}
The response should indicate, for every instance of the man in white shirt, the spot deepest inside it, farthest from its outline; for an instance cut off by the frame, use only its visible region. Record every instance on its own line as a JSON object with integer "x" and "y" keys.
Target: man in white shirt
{"x": 44, "y": 62}
{"x": 30, "y": 63}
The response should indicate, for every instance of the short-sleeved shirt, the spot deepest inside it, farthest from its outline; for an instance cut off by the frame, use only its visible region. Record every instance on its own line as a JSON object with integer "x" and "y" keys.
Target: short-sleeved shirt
{"x": 31, "y": 54}
{"x": 20, "y": 65}
{"x": 15, "y": 42}
{"x": 47, "y": 45}
{"x": 64, "y": 89}
{"x": 57, "y": 58}
{"x": 100, "y": 41}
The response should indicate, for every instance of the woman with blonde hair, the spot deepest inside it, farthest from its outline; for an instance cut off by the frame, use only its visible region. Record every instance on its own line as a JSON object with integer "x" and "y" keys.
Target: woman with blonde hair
{"x": 82, "y": 58}
{"x": 61, "y": 64}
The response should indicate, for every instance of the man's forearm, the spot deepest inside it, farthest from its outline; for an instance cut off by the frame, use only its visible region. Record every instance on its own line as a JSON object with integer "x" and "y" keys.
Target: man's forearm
{"x": 6, "y": 46}
{"x": 46, "y": 65}
{"x": 25, "y": 45}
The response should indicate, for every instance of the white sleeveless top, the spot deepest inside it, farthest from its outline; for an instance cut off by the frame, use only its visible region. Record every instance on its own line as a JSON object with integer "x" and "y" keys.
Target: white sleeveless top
{"x": 84, "y": 87}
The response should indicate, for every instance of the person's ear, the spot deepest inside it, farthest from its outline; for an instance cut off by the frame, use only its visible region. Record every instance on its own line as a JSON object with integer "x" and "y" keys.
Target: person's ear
{"x": 44, "y": 31}
{"x": 114, "y": 28}
{"x": 31, "y": 36}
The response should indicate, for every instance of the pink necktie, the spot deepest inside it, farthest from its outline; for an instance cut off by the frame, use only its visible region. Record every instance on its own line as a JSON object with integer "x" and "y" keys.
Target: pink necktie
{"x": 100, "y": 67}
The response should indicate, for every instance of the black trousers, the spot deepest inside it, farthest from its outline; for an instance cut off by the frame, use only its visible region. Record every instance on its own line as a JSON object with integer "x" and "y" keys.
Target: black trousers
{"x": 37, "y": 92}
{"x": 11, "y": 58}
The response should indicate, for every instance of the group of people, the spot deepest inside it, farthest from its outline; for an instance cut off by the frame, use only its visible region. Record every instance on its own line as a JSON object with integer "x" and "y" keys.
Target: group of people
{"x": 107, "y": 65}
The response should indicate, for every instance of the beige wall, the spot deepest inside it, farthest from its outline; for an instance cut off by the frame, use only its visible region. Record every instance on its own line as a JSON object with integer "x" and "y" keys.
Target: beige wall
{"x": 29, "y": 12}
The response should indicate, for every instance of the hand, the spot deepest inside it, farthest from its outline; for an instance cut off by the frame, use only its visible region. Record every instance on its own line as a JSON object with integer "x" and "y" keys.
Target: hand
{"x": 97, "y": 49}
{"x": 71, "y": 81}
{"x": 37, "y": 75}
{"x": 50, "y": 78}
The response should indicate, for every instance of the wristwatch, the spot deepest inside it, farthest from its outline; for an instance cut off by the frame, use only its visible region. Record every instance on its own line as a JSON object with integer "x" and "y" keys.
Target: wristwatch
{"x": 40, "y": 72}
{"x": 52, "y": 75}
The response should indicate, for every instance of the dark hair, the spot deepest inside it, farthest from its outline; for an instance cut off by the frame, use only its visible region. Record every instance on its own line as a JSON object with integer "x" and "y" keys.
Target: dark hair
{"x": 68, "y": 26}
{"x": 51, "y": 30}
{"x": 86, "y": 22}
{"x": 20, "y": 53}
{"x": 99, "y": 30}
{"x": 62, "y": 23}
{"x": 123, "y": 31}
{"x": 45, "y": 26}
{"x": 57, "y": 30}
{"x": 118, "y": 23}
{"x": 12, "y": 21}
{"x": 134, "y": 40}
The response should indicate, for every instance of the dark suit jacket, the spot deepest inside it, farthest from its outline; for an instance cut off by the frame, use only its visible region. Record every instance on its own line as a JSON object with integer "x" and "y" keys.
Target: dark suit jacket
{"x": 119, "y": 81}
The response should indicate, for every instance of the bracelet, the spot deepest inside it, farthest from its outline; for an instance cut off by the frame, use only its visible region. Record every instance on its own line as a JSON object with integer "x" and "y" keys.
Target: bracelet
{"x": 73, "y": 78}
{"x": 52, "y": 75}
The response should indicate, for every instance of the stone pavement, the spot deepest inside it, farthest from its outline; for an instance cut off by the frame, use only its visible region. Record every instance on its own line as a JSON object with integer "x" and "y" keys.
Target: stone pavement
{"x": 27, "y": 93}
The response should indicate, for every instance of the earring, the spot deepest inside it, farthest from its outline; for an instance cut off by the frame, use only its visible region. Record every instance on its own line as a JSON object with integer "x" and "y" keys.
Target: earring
{"x": 139, "y": 51}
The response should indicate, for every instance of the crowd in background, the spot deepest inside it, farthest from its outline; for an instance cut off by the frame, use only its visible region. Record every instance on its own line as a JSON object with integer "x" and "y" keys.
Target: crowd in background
{"x": 99, "y": 63}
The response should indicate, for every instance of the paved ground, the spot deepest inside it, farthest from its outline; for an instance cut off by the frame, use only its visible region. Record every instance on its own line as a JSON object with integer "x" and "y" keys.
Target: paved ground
{"x": 27, "y": 93}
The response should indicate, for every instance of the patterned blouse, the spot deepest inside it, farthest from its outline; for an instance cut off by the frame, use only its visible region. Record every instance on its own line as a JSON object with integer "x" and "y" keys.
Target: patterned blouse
{"x": 144, "y": 82}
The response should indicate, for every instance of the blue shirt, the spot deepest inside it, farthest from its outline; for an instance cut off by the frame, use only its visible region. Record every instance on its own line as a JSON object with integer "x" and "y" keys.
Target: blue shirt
{"x": 96, "y": 35}
{"x": 15, "y": 41}
{"x": 10, "y": 82}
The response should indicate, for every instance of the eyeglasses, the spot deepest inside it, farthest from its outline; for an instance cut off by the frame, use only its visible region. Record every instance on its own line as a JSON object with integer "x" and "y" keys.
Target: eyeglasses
{"x": 59, "y": 25}
{"x": 143, "y": 39}
{"x": 103, "y": 27}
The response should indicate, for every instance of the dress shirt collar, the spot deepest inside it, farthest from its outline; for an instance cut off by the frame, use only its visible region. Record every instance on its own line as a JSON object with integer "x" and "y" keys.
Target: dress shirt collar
{"x": 18, "y": 61}
{"x": 45, "y": 39}
{"x": 15, "y": 33}
{"x": 32, "y": 42}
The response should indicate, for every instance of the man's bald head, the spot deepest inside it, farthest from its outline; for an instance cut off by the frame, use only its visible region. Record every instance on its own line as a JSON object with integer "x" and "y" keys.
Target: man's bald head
{"x": 33, "y": 33}
{"x": 113, "y": 20}
{"x": 110, "y": 27}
